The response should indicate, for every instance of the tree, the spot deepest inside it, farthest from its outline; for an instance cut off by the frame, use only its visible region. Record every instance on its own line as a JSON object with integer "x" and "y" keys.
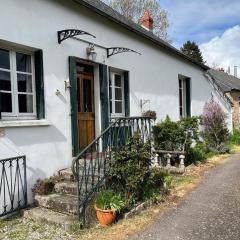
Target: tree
{"x": 134, "y": 9}
{"x": 192, "y": 50}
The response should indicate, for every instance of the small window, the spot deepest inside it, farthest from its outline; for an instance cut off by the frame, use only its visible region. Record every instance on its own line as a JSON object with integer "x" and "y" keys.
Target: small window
{"x": 184, "y": 97}
{"x": 116, "y": 94}
{"x": 17, "y": 86}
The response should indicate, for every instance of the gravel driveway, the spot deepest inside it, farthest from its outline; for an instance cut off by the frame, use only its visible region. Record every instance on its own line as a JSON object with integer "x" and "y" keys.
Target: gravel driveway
{"x": 211, "y": 211}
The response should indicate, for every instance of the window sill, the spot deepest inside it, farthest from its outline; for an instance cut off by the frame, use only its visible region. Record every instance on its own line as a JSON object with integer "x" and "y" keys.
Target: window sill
{"x": 24, "y": 123}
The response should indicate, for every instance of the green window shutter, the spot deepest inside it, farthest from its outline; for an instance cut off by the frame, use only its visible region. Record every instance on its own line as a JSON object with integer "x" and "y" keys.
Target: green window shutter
{"x": 39, "y": 78}
{"x": 74, "y": 106}
{"x": 188, "y": 97}
{"x": 126, "y": 94}
{"x": 103, "y": 77}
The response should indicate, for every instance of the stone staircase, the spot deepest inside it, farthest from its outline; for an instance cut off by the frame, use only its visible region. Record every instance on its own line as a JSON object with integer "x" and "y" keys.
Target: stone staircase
{"x": 59, "y": 207}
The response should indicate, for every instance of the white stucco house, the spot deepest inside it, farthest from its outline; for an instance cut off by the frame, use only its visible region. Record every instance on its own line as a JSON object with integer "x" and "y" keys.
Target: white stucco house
{"x": 59, "y": 87}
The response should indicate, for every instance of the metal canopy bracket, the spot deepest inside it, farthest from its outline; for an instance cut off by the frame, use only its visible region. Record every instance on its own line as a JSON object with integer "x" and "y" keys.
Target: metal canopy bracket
{"x": 116, "y": 50}
{"x": 68, "y": 33}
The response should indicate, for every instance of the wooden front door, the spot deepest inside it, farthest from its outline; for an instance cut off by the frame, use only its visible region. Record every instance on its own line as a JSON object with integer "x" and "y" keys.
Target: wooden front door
{"x": 86, "y": 111}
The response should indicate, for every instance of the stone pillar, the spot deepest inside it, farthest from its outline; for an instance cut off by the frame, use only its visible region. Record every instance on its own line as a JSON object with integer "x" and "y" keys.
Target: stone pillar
{"x": 155, "y": 161}
{"x": 168, "y": 156}
{"x": 182, "y": 157}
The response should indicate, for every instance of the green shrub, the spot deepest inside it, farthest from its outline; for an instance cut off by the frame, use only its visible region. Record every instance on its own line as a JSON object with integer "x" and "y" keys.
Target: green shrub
{"x": 191, "y": 128}
{"x": 168, "y": 135}
{"x": 153, "y": 188}
{"x": 196, "y": 154}
{"x": 172, "y": 136}
{"x": 235, "y": 137}
{"x": 131, "y": 175}
{"x": 130, "y": 170}
{"x": 108, "y": 200}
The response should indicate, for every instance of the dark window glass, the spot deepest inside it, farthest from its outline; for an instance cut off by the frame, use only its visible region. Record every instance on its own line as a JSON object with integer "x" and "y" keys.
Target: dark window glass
{"x": 87, "y": 95}
{"x": 118, "y": 107}
{"x": 6, "y": 102}
{"x": 110, "y": 106}
{"x": 82, "y": 68}
{"x": 25, "y": 103}
{"x": 4, "y": 59}
{"x": 5, "y": 81}
{"x": 180, "y": 98}
{"x": 118, "y": 82}
{"x": 23, "y": 62}
{"x": 24, "y": 83}
{"x": 118, "y": 93}
{"x": 110, "y": 93}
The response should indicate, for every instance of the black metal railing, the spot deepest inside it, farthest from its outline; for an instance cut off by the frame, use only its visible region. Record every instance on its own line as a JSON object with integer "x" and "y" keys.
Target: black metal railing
{"x": 90, "y": 166}
{"x": 13, "y": 185}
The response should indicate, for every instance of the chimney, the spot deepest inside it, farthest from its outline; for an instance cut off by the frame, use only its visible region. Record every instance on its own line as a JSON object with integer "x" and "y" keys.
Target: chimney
{"x": 235, "y": 71}
{"x": 146, "y": 21}
{"x": 221, "y": 69}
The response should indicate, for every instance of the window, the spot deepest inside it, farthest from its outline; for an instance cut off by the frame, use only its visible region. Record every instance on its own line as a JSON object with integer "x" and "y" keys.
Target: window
{"x": 116, "y": 94}
{"x": 17, "y": 85}
{"x": 184, "y": 97}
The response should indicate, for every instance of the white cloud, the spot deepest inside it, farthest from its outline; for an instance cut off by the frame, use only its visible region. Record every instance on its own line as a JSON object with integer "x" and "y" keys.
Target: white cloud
{"x": 200, "y": 20}
{"x": 223, "y": 51}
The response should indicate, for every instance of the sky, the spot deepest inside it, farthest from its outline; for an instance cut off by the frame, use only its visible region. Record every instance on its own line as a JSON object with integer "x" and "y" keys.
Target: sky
{"x": 213, "y": 24}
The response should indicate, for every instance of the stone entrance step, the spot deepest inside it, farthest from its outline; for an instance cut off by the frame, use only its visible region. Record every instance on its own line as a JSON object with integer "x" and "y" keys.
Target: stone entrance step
{"x": 63, "y": 203}
{"x": 66, "y": 174}
{"x": 66, "y": 187}
{"x": 48, "y": 216}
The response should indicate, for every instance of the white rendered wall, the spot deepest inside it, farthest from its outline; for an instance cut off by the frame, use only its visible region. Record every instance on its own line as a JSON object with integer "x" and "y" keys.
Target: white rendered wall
{"x": 153, "y": 76}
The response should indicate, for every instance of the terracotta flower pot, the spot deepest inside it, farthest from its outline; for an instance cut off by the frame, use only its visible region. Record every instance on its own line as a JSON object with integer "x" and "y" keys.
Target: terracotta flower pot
{"x": 105, "y": 217}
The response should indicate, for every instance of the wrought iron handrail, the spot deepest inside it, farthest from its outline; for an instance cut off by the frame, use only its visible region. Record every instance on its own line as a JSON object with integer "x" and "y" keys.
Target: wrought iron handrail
{"x": 90, "y": 165}
{"x": 13, "y": 185}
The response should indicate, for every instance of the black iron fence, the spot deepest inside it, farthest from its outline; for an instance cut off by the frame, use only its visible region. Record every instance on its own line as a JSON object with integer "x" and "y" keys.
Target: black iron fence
{"x": 90, "y": 165}
{"x": 13, "y": 185}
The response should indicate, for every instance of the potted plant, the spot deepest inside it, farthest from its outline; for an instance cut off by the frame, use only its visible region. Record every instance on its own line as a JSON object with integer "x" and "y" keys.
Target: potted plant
{"x": 107, "y": 204}
{"x": 150, "y": 113}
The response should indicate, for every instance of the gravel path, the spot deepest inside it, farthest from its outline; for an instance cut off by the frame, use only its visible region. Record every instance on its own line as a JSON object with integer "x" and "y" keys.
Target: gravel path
{"x": 210, "y": 212}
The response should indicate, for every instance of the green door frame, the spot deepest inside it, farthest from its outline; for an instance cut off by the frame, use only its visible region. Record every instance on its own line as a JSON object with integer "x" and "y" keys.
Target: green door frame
{"x": 103, "y": 79}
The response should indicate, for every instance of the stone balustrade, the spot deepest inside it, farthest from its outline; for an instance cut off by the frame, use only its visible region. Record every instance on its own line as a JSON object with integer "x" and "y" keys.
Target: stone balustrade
{"x": 173, "y": 161}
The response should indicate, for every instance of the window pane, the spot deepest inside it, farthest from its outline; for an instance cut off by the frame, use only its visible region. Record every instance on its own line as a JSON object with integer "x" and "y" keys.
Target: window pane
{"x": 23, "y": 62}
{"x": 24, "y": 83}
{"x": 118, "y": 93}
{"x": 25, "y": 103}
{"x": 110, "y": 93}
{"x": 118, "y": 107}
{"x": 5, "y": 81}
{"x": 6, "y": 102}
{"x": 118, "y": 82}
{"x": 4, "y": 59}
{"x": 87, "y": 95}
{"x": 110, "y": 106}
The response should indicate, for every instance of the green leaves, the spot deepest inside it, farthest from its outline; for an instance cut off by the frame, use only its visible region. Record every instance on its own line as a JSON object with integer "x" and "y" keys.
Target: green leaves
{"x": 131, "y": 174}
{"x": 173, "y": 136}
{"x": 108, "y": 200}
